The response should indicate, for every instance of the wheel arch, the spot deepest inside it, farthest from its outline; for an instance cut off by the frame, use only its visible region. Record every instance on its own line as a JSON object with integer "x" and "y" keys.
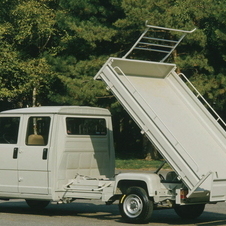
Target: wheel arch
{"x": 149, "y": 182}
{"x": 123, "y": 185}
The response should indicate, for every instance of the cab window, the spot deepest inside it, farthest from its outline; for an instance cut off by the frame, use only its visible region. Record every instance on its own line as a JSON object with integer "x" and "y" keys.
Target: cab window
{"x": 86, "y": 126}
{"x": 9, "y": 127}
{"x": 38, "y": 131}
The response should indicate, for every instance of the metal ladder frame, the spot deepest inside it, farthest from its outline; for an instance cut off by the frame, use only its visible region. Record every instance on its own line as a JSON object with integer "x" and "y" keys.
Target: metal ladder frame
{"x": 145, "y": 42}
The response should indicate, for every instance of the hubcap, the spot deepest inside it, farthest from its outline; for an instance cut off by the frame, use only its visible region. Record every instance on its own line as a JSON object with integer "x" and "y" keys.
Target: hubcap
{"x": 132, "y": 206}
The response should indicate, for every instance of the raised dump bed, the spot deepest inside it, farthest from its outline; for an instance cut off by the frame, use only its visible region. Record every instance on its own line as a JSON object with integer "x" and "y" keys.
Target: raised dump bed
{"x": 174, "y": 119}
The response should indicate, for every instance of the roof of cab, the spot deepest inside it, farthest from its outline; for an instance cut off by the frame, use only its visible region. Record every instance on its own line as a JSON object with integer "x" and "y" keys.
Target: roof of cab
{"x": 78, "y": 110}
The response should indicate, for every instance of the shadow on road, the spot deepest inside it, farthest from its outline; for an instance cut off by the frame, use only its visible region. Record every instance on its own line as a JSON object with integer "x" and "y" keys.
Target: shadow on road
{"x": 169, "y": 217}
{"x": 98, "y": 211}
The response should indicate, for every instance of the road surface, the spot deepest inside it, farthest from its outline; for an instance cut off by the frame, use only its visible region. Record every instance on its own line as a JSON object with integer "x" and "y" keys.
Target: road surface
{"x": 96, "y": 213}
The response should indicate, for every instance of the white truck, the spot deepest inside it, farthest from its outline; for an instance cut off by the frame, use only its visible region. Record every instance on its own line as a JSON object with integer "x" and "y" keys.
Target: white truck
{"x": 66, "y": 153}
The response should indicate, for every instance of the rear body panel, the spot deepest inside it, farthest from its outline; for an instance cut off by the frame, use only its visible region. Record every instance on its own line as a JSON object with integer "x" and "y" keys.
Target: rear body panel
{"x": 173, "y": 118}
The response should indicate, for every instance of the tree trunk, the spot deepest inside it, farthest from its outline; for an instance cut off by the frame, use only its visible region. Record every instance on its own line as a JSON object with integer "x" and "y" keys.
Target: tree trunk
{"x": 34, "y": 97}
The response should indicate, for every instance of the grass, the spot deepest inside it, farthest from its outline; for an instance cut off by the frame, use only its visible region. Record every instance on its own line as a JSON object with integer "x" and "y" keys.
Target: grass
{"x": 138, "y": 164}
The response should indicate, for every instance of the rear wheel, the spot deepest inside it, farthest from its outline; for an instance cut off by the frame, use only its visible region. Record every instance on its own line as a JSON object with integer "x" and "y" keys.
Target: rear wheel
{"x": 37, "y": 204}
{"x": 189, "y": 211}
{"x": 135, "y": 206}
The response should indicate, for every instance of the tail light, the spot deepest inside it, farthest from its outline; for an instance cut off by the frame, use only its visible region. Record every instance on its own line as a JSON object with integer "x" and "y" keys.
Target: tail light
{"x": 183, "y": 194}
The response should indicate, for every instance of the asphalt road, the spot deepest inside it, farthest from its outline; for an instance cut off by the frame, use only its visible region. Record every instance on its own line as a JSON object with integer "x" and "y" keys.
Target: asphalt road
{"x": 17, "y": 213}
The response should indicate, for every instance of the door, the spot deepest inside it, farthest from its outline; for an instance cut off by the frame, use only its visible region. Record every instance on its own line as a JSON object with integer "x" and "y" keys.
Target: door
{"x": 33, "y": 156}
{"x": 9, "y": 127}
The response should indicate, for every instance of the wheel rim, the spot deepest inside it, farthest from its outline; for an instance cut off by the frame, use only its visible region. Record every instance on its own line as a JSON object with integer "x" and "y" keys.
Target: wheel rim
{"x": 133, "y": 206}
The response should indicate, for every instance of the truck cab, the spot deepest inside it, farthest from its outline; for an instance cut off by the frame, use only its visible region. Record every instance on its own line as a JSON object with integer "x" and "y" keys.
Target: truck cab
{"x": 42, "y": 148}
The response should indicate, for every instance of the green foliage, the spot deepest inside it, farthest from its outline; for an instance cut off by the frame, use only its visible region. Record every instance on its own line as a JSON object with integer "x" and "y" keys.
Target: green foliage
{"x": 50, "y": 50}
{"x": 34, "y": 23}
{"x": 11, "y": 73}
{"x": 63, "y": 44}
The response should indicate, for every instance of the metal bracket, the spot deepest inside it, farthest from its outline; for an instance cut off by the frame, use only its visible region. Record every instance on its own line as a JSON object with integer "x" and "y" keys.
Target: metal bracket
{"x": 199, "y": 183}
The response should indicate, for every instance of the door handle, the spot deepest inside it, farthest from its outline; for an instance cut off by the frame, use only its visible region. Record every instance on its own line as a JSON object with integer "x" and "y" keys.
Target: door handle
{"x": 15, "y": 153}
{"x": 44, "y": 153}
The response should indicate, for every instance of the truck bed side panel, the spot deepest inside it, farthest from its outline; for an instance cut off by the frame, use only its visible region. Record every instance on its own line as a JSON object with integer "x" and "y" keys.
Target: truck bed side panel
{"x": 166, "y": 110}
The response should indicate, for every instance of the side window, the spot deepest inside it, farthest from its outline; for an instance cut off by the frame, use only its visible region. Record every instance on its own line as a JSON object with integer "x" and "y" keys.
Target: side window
{"x": 38, "y": 131}
{"x": 9, "y": 127}
{"x": 86, "y": 126}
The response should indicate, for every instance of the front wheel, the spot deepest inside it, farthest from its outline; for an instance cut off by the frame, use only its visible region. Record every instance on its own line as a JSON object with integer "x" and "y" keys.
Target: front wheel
{"x": 189, "y": 211}
{"x": 135, "y": 206}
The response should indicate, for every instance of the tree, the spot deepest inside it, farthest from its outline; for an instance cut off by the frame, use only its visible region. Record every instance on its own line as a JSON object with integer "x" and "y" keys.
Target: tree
{"x": 86, "y": 42}
{"x": 50, "y": 50}
{"x": 27, "y": 28}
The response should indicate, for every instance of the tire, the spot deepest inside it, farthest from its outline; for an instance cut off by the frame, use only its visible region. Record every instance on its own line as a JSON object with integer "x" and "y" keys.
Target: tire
{"x": 37, "y": 204}
{"x": 189, "y": 211}
{"x": 135, "y": 206}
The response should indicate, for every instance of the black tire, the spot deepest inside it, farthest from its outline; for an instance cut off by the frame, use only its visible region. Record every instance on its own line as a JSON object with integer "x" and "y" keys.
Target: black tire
{"x": 135, "y": 206}
{"x": 37, "y": 204}
{"x": 189, "y": 211}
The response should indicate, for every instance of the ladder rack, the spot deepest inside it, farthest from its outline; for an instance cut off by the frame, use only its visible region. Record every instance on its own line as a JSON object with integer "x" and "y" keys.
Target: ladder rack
{"x": 157, "y": 44}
